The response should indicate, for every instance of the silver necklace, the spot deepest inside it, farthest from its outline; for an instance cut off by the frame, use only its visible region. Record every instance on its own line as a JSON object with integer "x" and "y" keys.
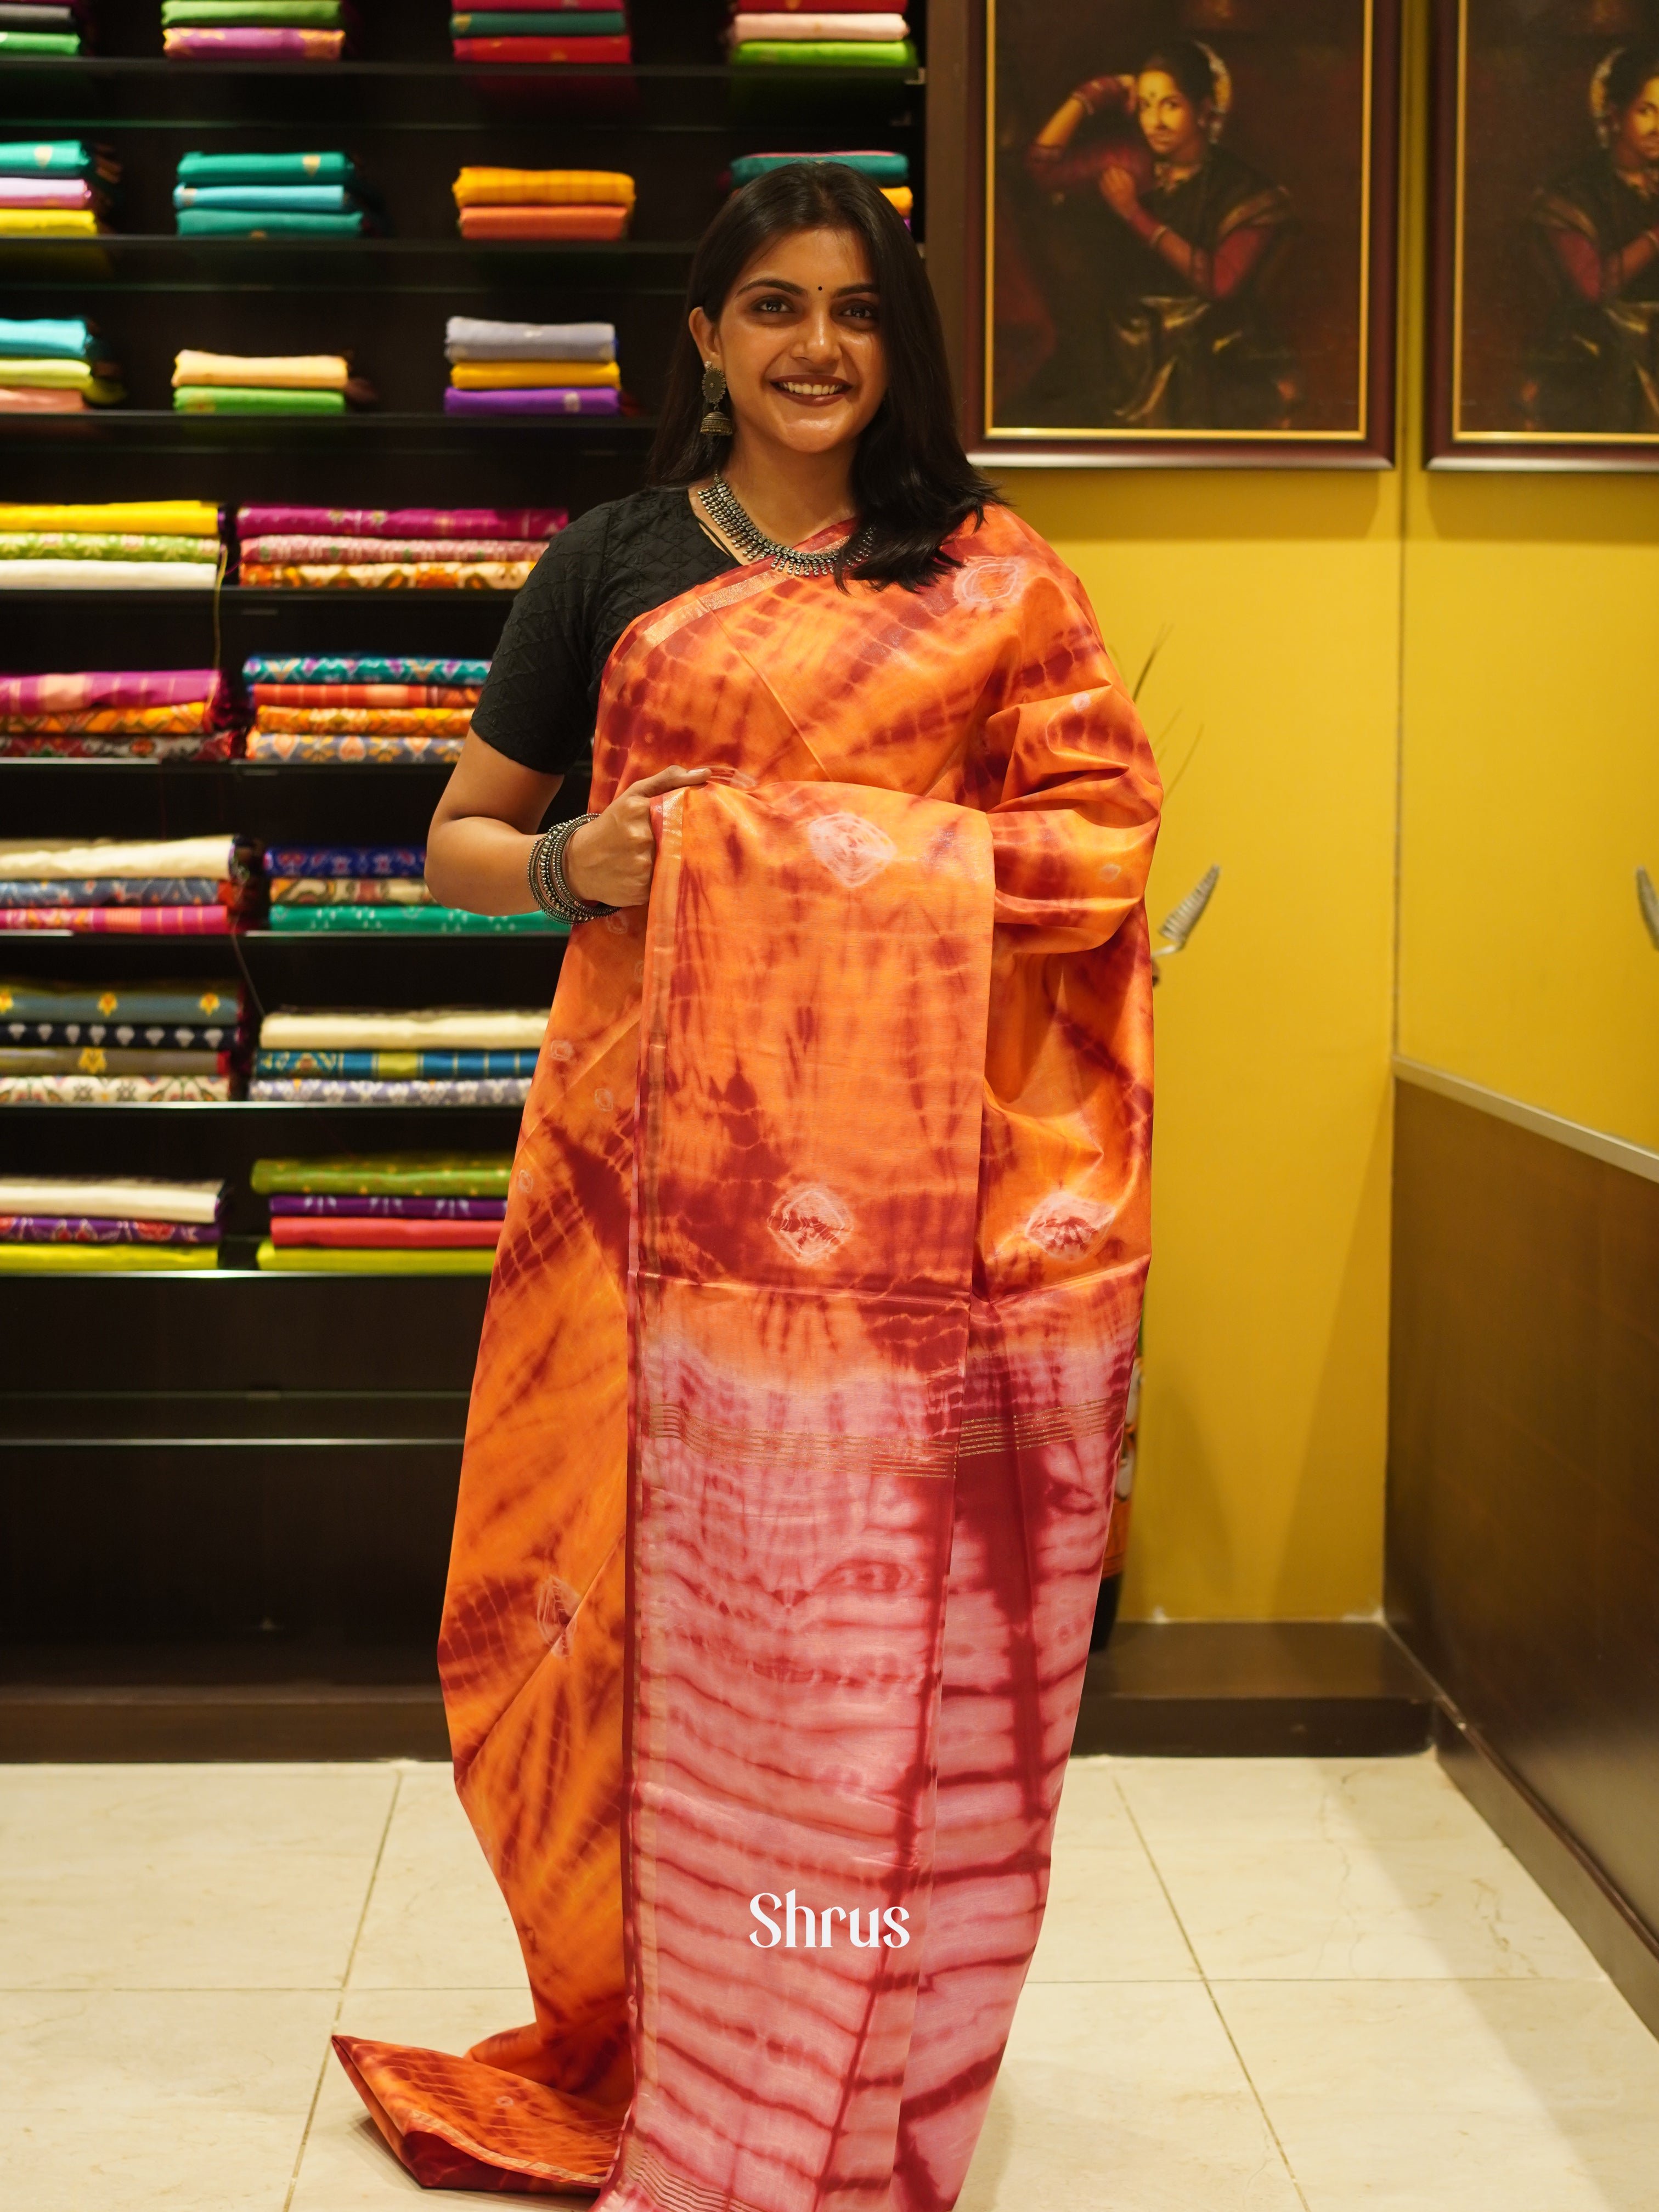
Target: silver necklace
{"x": 727, "y": 511}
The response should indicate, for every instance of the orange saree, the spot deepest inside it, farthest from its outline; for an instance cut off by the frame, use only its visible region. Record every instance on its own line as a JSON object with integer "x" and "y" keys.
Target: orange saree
{"x": 791, "y": 1448}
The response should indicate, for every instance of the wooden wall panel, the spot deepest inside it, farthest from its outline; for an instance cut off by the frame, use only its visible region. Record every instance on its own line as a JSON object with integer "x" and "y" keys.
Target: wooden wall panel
{"x": 1523, "y": 1465}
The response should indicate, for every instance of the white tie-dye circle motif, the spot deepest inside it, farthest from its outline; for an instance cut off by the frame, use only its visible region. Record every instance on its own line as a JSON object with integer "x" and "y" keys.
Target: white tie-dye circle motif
{"x": 809, "y": 1223}
{"x": 988, "y": 583}
{"x": 1068, "y": 1225}
{"x": 556, "y": 1608}
{"x": 560, "y": 1048}
{"x": 851, "y": 847}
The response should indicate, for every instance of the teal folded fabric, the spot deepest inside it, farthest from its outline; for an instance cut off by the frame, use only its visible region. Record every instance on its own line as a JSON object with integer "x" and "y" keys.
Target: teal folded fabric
{"x": 825, "y": 53}
{"x": 409, "y": 921}
{"x": 254, "y": 399}
{"x": 39, "y": 42}
{"x": 225, "y": 222}
{"x": 48, "y": 338}
{"x": 262, "y": 15}
{"x": 533, "y": 24}
{"x": 265, "y": 199}
{"x": 48, "y": 157}
{"x": 880, "y": 168}
{"x": 265, "y": 169}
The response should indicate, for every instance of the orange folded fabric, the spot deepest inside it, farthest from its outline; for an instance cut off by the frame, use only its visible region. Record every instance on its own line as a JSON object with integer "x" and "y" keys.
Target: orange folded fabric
{"x": 544, "y": 221}
{"x": 543, "y": 187}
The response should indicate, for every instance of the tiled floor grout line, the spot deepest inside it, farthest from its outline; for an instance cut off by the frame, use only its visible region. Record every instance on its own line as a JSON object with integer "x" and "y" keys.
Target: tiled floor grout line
{"x": 345, "y": 1984}
{"x": 1215, "y": 2002}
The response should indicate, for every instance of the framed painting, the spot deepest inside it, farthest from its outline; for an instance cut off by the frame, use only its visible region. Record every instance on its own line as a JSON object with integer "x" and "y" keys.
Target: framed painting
{"x": 1189, "y": 232}
{"x": 1544, "y": 348}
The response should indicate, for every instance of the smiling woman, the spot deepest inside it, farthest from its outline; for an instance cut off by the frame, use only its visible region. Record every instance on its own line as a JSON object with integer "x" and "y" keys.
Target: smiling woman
{"x": 797, "y": 1415}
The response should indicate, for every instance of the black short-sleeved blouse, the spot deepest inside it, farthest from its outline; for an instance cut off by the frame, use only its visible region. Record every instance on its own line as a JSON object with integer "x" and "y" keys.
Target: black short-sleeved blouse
{"x": 612, "y": 564}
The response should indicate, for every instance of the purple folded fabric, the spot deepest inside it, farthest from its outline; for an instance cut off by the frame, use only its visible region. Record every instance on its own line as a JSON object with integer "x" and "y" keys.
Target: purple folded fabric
{"x": 255, "y": 44}
{"x": 396, "y": 1209}
{"x": 400, "y": 521}
{"x": 82, "y": 1229}
{"x": 545, "y": 399}
{"x": 93, "y": 688}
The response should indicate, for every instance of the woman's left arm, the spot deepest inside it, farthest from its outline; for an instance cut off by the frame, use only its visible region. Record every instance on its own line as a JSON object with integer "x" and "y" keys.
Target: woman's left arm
{"x": 1074, "y": 826}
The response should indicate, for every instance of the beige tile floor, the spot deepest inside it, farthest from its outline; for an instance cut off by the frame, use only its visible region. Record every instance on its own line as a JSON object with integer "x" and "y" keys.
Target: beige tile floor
{"x": 1263, "y": 1983}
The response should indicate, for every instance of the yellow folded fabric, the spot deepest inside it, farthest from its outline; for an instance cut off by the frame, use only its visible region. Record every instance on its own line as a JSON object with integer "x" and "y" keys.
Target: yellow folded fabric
{"x": 525, "y": 375}
{"x": 346, "y": 1260}
{"x": 543, "y": 188}
{"x": 140, "y": 518}
{"x": 107, "y": 1259}
{"x": 902, "y": 196}
{"x": 300, "y": 372}
{"x": 49, "y": 222}
{"x": 49, "y": 375}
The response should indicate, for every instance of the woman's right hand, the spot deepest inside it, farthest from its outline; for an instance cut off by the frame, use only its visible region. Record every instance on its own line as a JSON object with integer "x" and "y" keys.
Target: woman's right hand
{"x": 608, "y": 861}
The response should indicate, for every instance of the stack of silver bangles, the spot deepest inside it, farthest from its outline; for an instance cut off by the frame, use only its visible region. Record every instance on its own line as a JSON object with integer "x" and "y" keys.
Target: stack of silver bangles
{"x": 552, "y": 893}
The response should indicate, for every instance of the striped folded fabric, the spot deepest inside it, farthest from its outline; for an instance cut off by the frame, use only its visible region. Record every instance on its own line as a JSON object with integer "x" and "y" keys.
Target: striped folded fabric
{"x": 365, "y": 694}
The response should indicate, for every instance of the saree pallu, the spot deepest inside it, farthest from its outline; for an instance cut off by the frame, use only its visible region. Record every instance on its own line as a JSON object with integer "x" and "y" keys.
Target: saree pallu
{"x": 288, "y": 745}
{"x": 389, "y": 575}
{"x": 360, "y": 721}
{"x": 792, "y": 1443}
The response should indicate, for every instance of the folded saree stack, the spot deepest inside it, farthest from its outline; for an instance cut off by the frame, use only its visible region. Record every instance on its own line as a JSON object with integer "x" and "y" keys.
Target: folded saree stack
{"x": 890, "y": 171}
{"x": 118, "y": 1044}
{"x": 82, "y": 1225}
{"x": 403, "y": 1214}
{"x": 574, "y": 204}
{"x": 255, "y": 30}
{"x": 55, "y": 365}
{"x": 358, "y": 707}
{"x": 55, "y": 187}
{"x": 568, "y": 32}
{"x": 270, "y": 195}
{"x": 403, "y": 548}
{"x": 834, "y": 35}
{"x": 130, "y": 714}
{"x": 445, "y": 1056}
{"x": 42, "y": 26}
{"x": 379, "y": 891}
{"x": 130, "y": 545}
{"x": 166, "y": 887}
{"x": 531, "y": 368}
{"x": 262, "y": 383}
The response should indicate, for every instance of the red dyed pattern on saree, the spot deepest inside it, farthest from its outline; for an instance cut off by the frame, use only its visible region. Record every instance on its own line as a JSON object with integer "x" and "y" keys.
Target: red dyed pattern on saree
{"x": 791, "y": 1448}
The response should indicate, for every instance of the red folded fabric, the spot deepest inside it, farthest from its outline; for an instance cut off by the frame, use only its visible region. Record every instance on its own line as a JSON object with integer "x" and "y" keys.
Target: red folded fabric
{"x": 355, "y": 1233}
{"x": 365, "y": 694}
{"x": 544, "y": 221}
{"x": 593, "y": 51}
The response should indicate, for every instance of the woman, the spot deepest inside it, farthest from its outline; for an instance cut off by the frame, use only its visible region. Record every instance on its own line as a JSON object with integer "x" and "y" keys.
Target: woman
{"x": 1597, "y": 368}
{"x": 792, "y": 1444}
{"x": 1169, "y": 334}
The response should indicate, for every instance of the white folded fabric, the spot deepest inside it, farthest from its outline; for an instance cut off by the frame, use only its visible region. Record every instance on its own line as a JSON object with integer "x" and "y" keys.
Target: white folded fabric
{"x": 466, "y": 338}
{"x": 135, "y": 1198}
{"x": 465, "y": 1028}
{"x": 792, "y": 25}
{"x": 108, "y": 575}
{"x": 66, "y": 860}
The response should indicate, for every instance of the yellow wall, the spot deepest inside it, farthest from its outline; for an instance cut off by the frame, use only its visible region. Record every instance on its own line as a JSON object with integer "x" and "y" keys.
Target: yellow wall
{"x": 1439, "y": 680}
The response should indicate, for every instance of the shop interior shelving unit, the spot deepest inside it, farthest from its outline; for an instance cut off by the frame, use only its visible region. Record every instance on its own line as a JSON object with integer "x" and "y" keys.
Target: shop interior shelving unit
{"x": 225, "y": 1498}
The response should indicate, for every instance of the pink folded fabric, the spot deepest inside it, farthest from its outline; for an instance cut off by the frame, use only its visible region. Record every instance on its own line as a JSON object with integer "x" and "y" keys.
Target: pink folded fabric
{"x": 26, "y": 399}
{"x": 98, "y": 687}
{"x": 46, "y": 193}
{"x": 362, "y": 551}
{"x": 254, "y": 46}
{"x": 539, "y": 522}
{"x": 121, "y": 921}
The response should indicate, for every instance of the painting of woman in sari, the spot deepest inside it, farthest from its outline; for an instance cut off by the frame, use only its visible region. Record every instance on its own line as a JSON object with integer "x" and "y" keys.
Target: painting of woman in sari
{"x": 1596, "y": 366}
{"x": 1175, "y": 333}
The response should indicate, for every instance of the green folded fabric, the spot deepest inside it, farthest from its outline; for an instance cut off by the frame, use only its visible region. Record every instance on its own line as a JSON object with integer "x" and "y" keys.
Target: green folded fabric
{"x": 39, "y": 42}
{"x": 386, "y": 1174}
{"x": 334, "y": 1259}
{"x": 262, "y": 14}
{"x": 412, "y": 921}
{"x": 528, "y": 23}
{"x": 254, "y": 399}
{"x": 880, "y": 168}
{"x": 93, "y": 545}
{"x": 109, "y": 1259}
{"x": 45, "y": 157}
{"x": 227, "y": 223}
{"x": 825, "y": 53}
{"x": 265, "y": 169}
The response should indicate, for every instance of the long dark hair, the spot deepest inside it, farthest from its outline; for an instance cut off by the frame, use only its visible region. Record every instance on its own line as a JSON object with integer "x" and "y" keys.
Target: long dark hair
{"x": 911, "y": 480}
{"x": 1185, "y": 61}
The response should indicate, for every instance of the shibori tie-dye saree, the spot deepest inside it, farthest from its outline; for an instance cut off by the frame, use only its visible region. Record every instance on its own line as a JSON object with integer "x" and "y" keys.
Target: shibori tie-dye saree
{"x": 798, "y": 1409}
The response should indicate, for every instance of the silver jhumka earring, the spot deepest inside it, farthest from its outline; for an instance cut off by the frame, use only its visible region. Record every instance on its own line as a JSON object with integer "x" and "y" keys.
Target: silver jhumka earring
{"x": 716, "y": 423}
